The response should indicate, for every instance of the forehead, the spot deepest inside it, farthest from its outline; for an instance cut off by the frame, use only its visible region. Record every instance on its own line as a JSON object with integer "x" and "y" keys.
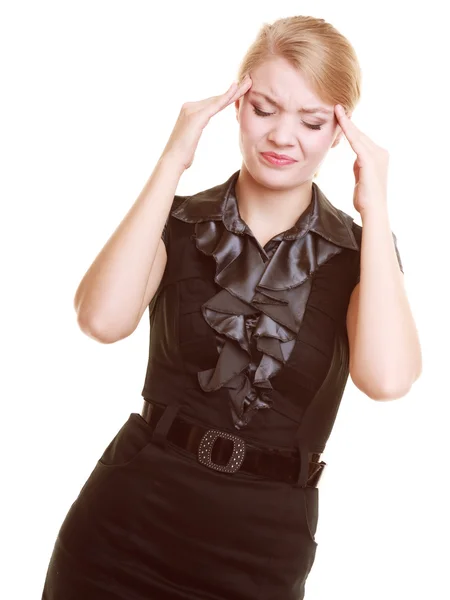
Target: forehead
{"x": 281, "y": 81}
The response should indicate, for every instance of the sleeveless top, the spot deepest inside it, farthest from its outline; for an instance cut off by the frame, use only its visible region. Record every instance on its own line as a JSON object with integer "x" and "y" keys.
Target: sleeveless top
{"x": 254, "y": 338}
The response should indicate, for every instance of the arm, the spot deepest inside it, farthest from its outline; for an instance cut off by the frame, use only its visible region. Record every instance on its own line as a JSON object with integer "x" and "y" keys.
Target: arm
{"x": 385, "y": 354}
{"x": 110, "y": 297}
{"x": 114, "y": 292}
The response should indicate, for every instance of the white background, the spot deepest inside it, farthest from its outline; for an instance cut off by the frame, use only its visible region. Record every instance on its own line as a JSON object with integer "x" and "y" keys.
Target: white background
{"x": 90, "y": 93}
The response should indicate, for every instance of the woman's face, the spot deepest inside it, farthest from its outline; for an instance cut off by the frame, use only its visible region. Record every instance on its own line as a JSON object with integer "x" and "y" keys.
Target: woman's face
{"x": 281, "y": 128}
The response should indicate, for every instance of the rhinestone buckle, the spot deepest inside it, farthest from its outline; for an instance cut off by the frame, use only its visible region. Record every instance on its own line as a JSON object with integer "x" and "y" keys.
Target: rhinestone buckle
{"x": 206, "y": 446}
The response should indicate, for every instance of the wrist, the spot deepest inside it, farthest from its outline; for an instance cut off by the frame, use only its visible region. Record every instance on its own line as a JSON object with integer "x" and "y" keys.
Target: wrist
{"x": 375, "y": 214}
{"x": 173, "y": 162}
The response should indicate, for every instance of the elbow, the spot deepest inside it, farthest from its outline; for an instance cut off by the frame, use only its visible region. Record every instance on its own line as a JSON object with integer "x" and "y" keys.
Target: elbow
{"x": 99, "y": 332}
{"x": 388, "y": 391}
{"x": 397, "y": 387}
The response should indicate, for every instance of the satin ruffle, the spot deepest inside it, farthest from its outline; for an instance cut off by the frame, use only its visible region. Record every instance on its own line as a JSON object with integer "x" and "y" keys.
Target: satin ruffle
{"x": 262, "y": 302}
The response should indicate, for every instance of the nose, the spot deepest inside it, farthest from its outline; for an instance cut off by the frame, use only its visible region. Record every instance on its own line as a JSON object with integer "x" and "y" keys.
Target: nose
{"x": 283, "y": 133}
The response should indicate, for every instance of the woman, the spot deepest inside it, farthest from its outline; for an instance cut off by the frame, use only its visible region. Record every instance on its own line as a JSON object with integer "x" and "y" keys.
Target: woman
{"x": 257, "y": 316}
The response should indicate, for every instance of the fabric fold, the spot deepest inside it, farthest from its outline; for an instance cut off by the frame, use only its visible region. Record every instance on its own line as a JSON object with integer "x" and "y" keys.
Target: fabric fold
{"x": 261, "y": 304}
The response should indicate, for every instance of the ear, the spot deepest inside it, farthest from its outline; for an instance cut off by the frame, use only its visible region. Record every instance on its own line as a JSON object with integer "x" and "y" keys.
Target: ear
{"x": 337, "y": 139}
{"x": 236, "y": 105}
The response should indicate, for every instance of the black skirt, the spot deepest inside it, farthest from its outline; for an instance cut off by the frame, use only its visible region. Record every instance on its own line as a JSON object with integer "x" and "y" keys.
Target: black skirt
{"x": 153, "y": 523}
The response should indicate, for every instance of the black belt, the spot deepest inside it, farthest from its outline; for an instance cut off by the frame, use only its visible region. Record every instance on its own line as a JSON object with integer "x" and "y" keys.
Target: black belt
{"x": 212, "y": 448}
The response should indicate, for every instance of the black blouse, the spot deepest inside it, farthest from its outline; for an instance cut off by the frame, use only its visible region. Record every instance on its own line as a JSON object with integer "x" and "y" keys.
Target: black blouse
{"x": 249, "y": 337}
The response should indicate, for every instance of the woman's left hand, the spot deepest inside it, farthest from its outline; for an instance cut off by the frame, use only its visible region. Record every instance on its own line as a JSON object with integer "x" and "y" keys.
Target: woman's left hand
{"x": 370, "y": 167}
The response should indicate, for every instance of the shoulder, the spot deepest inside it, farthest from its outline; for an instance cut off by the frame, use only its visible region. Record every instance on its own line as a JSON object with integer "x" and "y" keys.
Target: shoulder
{"x": 207, "y": 204}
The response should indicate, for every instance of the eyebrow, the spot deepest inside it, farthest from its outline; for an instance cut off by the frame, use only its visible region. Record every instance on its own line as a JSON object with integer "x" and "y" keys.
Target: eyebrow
{"x": 308, "y": 110}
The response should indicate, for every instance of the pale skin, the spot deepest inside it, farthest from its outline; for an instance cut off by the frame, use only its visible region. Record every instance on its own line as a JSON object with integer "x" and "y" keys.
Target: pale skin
{"x": 271, "y": 199}
{"x": 385, "y": 354}
{"x": 117, "y": 288}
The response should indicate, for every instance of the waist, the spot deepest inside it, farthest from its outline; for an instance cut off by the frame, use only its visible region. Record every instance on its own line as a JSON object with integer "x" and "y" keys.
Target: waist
{"x": 226, "y": 452}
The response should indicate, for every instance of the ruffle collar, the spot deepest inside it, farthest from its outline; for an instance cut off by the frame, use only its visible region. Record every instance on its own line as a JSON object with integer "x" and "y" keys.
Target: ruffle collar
{"x": 269, "y": 295}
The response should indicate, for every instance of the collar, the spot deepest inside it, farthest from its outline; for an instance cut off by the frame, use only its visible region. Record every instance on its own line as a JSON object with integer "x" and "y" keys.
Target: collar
{"x": 219, "y": 203}
{"x": 276, "y": 290}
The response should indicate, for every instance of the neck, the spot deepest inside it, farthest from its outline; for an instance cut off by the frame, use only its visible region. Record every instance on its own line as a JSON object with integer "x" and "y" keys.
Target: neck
{"x": 270, "y": 210}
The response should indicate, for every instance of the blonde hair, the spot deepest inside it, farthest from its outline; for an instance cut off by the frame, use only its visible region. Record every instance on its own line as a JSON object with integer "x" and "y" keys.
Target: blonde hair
{"x": 324, "y": 56}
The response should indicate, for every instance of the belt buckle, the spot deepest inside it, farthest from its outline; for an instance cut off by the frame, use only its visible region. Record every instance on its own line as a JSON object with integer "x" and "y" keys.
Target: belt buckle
{"x": 206, "y": 446}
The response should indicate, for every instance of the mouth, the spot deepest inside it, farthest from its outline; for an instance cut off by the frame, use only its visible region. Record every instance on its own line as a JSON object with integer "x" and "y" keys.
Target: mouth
{"x": 278, "y": 159}
{"x": 279, "y": 156}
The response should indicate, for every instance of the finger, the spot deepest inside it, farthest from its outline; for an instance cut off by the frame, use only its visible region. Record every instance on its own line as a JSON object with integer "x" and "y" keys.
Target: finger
{"x": 243, "y": 88}
{"x": 220, "y": 99}
{"x": 239, "y": 90}
{"x": 231, "y": 96}
{"x": 354, "y": 135}
{"x": 215, "y": 104}
{"x": 348, "y": 126}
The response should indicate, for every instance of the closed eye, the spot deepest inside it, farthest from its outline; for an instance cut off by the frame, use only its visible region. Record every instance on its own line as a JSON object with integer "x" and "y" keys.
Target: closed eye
{"x": 260, "y": 113}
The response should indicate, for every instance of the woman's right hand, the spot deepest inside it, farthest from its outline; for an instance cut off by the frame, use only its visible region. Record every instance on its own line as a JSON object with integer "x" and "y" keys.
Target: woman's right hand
{"x": 193, "y": 118}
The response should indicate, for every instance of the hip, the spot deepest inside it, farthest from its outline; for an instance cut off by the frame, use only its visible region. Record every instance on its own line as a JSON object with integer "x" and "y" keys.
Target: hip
{"x": 161, "y": 508}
